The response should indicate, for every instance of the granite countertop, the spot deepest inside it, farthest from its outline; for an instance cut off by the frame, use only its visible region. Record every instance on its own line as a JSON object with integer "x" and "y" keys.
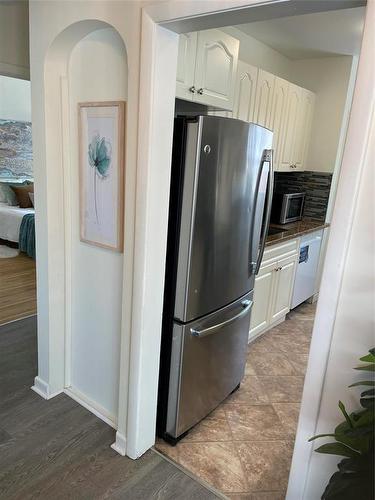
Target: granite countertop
{"x": 294, "y": 230}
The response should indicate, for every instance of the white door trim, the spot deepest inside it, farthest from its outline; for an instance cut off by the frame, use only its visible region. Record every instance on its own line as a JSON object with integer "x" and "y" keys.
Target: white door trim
{"x": 156, "y": 110}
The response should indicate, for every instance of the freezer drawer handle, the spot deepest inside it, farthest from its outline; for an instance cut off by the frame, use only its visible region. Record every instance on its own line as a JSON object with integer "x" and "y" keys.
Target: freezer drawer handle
{"x": 246, "y": 304}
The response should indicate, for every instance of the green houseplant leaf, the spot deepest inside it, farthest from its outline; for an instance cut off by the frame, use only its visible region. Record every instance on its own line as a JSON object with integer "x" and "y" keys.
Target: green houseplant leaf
{"x": 370, "y": 358}
{"x": 369, "y": 392}
{"x": 363, "y": 382}
{"x": 367, "y": 368}
{"x": 337, "y": 449}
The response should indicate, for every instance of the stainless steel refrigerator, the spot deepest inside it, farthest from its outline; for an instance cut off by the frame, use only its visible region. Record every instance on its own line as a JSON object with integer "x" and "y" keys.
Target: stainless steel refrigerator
{"x": 220, "y": 200}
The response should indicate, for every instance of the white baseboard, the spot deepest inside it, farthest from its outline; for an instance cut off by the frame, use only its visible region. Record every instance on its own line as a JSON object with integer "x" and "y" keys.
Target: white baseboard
{"x": 313, "y": 299}
{"x": 120, "y": 444}
{"x": 92, "y": 406}
{"x": 43, "y": 389}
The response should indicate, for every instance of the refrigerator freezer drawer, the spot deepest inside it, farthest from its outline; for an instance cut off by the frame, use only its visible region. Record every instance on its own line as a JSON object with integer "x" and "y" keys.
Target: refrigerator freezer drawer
{"x": 207, "y": 363}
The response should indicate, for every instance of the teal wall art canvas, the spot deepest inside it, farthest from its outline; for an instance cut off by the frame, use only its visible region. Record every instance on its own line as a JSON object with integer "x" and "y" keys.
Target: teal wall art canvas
{"x": 101, "y": 169}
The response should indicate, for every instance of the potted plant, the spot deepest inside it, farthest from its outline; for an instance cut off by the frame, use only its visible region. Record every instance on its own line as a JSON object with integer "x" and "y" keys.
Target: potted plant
{"x": 354, "y": 440}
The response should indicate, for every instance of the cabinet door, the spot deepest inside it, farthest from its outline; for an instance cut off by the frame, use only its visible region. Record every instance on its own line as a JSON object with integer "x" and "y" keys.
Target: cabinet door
{"x": 284, "y": 279}
{"x": 262, "y": 300}
{"x": 303, "y": 128}
{"x": 263, "y": 99}
{"x": 244, "y": 97}
{"x": 187, "y": 48}
{"x": 287, "y": 151}
{"x": 278, "y": 112}
{"x": 216, "y": 69}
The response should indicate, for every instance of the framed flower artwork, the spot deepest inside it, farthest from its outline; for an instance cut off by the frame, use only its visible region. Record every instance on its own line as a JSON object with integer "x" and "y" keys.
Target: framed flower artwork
{"x": 101, "y": 173}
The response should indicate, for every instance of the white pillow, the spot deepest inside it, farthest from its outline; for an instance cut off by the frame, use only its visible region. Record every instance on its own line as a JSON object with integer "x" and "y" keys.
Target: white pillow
{"x": 31, "y": 196}
{"x": 7, "y": 195}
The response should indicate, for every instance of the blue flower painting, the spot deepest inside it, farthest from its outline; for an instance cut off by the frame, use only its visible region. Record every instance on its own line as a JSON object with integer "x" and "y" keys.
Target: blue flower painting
{"x": 99, "y": 156}
{"x": 101, "y": 173}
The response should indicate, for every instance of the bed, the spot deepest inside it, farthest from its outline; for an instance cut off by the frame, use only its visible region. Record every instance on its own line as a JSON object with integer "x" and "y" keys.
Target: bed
{"x": 10, "y": 221}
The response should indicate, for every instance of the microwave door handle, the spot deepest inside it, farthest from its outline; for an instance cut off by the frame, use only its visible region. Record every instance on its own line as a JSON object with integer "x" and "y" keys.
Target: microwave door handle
{"x": 267, "y": 159}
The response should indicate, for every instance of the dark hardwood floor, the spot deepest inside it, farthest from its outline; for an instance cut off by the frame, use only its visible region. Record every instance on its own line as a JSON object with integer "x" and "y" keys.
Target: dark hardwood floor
{"x": 58, "y": 450}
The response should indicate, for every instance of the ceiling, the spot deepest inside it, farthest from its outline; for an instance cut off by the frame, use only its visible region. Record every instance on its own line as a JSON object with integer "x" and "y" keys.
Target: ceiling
{"x": 311, "y": 35}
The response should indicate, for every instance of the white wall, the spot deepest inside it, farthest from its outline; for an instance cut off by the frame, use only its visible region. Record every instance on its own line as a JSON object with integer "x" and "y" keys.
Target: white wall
{"x": 14, "y": 38}
{"x": 354, "y": 330}
{"x": 15, "y": 99}
{"x": 97, "y": 72}
{"x": 55, "y": 29}
{"x": 329, "y": 78}
{"x": 345, "y": 323}
{"x": 260, "y": 55}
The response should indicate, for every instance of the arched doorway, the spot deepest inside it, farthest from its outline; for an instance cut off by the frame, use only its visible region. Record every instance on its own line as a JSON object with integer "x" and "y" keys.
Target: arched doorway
{"x": 78, "y": 353}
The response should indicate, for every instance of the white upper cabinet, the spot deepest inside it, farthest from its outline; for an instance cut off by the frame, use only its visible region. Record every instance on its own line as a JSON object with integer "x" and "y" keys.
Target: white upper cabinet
{"x": 216, "y": 68}
{"x": 295, "y": 135}
{"x": 245, "y": 91}
{"x": 263, "y": 98}
{"x": 287, "y": 146}
{"x": 187, "y": 49}
{"x": 278, "y": 111}
{"x": 208, "y": 72}
{"x": 304, "y": 128}
{"x": 207, "y": 68}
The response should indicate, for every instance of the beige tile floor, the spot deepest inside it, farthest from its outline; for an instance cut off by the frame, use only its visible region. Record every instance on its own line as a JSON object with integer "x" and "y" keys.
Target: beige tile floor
{"x": 244, "y": 447}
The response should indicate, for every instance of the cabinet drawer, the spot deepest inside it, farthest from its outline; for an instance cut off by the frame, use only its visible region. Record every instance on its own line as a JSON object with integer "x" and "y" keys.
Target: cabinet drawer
{"x": 274, "y": 252}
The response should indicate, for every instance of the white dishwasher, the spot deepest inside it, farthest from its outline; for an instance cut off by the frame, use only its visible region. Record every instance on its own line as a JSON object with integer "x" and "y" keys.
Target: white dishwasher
{"x": 304, "y": 284}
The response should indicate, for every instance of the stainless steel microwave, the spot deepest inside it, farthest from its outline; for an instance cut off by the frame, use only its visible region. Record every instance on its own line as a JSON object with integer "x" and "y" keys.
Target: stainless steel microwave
{"x": 287, "y": 207}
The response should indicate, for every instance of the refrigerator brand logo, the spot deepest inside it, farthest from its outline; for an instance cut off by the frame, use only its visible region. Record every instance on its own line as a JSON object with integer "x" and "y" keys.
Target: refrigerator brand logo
{"x": 207, "y": 149}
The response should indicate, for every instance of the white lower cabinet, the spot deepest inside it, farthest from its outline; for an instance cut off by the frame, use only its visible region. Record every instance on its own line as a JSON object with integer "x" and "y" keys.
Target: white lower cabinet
{"x": 284, "y": 279}
{"x": 273, "y": 287}
{"x": 262, "y": 300}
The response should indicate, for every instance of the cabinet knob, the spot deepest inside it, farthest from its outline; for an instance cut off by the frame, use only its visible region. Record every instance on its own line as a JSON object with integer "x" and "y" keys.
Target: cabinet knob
{"x": 200, "y": 91}
{"x": 192, "y": 89}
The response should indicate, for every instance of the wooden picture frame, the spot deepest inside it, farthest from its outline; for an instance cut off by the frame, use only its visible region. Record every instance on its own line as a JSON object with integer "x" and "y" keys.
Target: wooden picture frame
{"x": 101, "y": 128}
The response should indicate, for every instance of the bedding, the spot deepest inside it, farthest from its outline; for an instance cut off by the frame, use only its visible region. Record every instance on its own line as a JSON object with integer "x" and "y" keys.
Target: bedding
{"x": 10, "y": 221}
{"x": 7, "y": 195}
{"x": 22, "y": 194}
{"x": 27, "y": 235}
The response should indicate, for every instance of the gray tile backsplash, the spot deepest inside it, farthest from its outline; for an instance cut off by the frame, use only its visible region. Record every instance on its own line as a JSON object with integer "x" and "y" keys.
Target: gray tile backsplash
{"x": 316, "y": 185}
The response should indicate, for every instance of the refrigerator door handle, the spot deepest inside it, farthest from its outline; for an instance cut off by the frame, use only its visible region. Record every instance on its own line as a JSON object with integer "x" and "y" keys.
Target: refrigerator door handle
{"x": 266, "y": 160}
{"x": 246, "y": 304}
